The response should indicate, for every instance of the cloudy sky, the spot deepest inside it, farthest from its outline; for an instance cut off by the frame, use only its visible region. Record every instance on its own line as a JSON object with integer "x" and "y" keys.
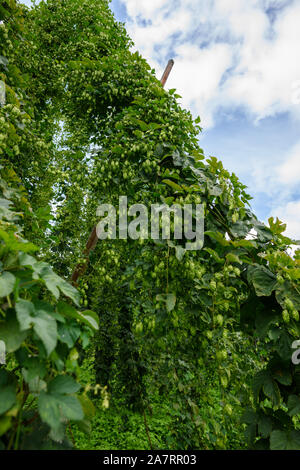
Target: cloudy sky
{"x": 237, "y": 66}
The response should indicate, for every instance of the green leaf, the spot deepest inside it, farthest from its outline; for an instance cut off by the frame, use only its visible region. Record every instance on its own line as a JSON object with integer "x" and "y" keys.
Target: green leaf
{"x": 142, "y": 124}
{"x": 5, "y": 423}
{"x": 170, "y": 300}
{"x": 36, "y": 385}
{"x": 46, "y": 329}
{"x": 7, "y": 392}
{"x": 285, "y": 440}
{"x": 244, "y": 243}
{"x": 68, "y": 334}
{"x": 7, "y": 398}
{"x": 263, "y": 380}
{"x": 172, "y": 185}
{"x": 283, "y": 376}
{"x": 71, "y": 407}
{"x": 283, "y": 345}
{"x": 43, "y": 323}
{"x": 179, "y": 252}
{"x": 232, "y": 258}
{"x": 263, "y": 280}
{"x": 53, "y": 407}
{"x": 63, "y": 384}
{"x": 69, "y": 291}
{"x": 294, "y": 405}
{"x": 25, "y": 312}
{"x": 287, "y": 290}
{"x": 215, "y": 255}
{"x": 249, "y": 416}
{"x": 214, "y": 189}
{"x": 88, "y": 317}
{"x": 34, "y": 368}
{"x": 11, "y": 334}
{"x": 27, "y": 260}
{"x": 14, "y": 245}
{"x": 49, "y": 410}
{"x": 45, "y": 272}
{"x": 217, "y": 236}
{"x": 264, "y": 318}
{"x": 7, "y": 283}
{"x": 55, "y": 283}
{"x": 87, "y": 406}
{"x": 264, "y": 426}
{"x": 264, "y": 234}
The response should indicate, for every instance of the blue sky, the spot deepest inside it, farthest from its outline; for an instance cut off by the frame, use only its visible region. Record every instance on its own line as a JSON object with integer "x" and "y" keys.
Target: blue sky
{"x": 237, "y": 66}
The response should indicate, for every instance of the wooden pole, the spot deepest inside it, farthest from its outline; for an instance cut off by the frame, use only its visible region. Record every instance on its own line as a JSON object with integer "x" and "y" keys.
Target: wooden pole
{"x": 167, "y": 72}
{"x": 93, "y": 239}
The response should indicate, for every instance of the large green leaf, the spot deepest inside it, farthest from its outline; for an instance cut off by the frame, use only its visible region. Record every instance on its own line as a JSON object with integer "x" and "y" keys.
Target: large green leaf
{"x": 264, "y": 426}
{"x": 57, "y": 403}
{"x": 263, "y": 280}
{"x": 11, "y": 334}
{"x": 263, "y": 380}
{"x": 169, "y": 299}
{"x": 283, "y": 345}
{"x": 49, "y": 410}
{"x": 46, "y": 328}
{"x": 7, "y": 283}
{"x": 172, "y": 185}
{"x": 7, "y": 392}
{"x": 71, "y": 407}
{"x": 287, "y": 290}
{"x": 294, "y": 405}
{"x": 63, "y": 384}
{"x": 88, "y": 317}
{"x": 264, "y": 234}
{"x": 42, "y": 322}
{"x": 54, "y": 283}
{"x": 34, "y": 368}
{"x": 285, "y": 440}
{"x": 217, "y": 236}
{"x": 7, "y": 397}
{"x": 69, "y": 291}
{"x": 25, "y": 313}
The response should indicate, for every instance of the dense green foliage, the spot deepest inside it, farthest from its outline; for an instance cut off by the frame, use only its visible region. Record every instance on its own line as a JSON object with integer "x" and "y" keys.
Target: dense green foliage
{"x": 207, "y": 334}
{"x": 40, "y": 332}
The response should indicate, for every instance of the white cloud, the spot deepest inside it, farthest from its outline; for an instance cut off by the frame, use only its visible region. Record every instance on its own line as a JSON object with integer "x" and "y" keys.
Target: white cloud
{"x": 262, "y": 55}
{"x": 289, "y": 171}
{"x": 198, "y": 74}
{"x": 267, "y": 68}
{"x": 277, "y": 178}
{"x": 144, "y": 8}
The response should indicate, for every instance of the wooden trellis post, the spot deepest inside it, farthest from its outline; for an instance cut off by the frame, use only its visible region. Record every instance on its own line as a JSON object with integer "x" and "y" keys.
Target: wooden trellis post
{"x": 167, "y": 72}
{"x": 93, "y": 239}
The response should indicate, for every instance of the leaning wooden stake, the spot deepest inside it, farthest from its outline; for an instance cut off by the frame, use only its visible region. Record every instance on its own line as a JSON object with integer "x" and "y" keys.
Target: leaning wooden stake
{"x": 93, "y": 239}
{"x": 167, "y": 72}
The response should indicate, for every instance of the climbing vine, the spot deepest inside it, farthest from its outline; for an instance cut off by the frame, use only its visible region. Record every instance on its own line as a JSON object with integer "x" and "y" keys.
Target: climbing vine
{"x": 98, "y": 125}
